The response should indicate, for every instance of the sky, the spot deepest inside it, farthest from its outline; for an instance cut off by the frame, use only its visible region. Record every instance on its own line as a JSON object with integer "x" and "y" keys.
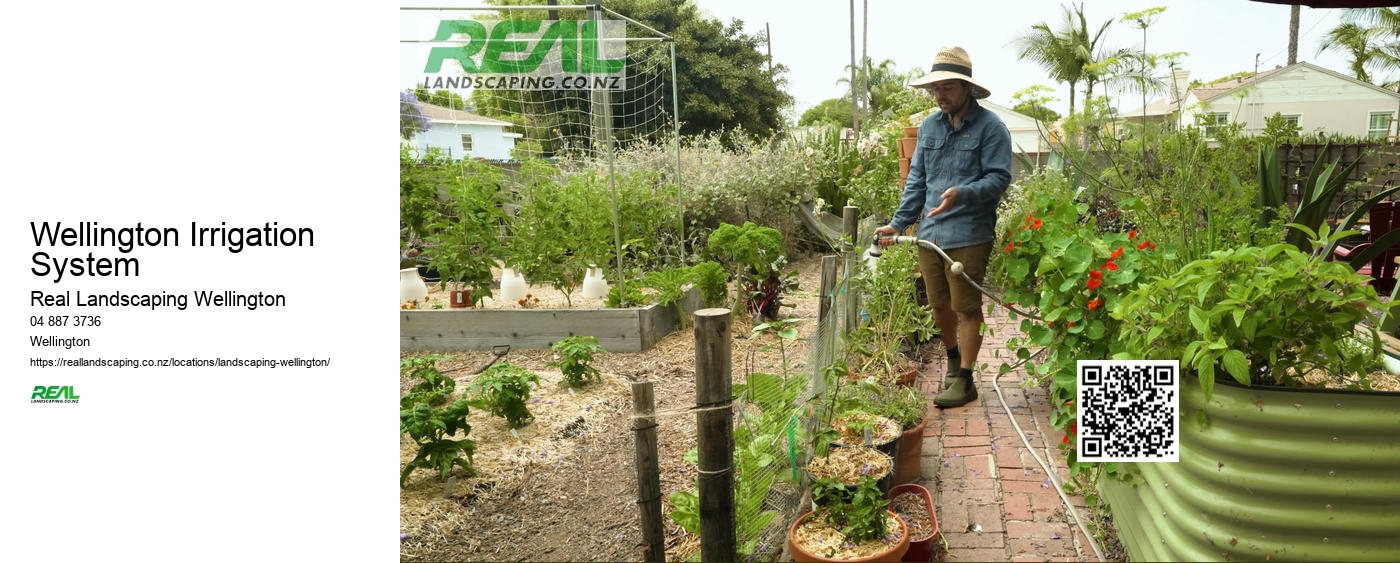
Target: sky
{"x": 813, "y": 38}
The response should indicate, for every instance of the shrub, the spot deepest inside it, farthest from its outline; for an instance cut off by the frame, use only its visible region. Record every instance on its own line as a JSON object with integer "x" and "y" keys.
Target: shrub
{"x": 423, "y": 416}
{"x": 576, "y": 359}
{"x": 503, "y": 390}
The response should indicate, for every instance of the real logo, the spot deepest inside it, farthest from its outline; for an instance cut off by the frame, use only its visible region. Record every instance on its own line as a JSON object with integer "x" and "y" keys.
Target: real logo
{"x": 558, "y": 54}
{"x": 54, "y": 394}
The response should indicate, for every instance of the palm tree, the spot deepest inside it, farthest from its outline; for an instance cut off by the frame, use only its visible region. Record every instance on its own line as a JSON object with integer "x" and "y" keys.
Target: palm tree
{"x": 1356, "y": 42}
{"x": 1071, "y": 54}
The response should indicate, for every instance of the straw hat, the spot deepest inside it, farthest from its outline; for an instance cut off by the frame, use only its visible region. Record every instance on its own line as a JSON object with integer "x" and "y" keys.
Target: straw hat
{"x": 951, "y": 63}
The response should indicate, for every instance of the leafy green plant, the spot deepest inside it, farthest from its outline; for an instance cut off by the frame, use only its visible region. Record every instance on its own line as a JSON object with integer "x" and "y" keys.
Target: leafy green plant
{"x": 465, "y": 244}
{"x": 895, "y": 316}
{"x": 756, "y": 253}
{"x": 576, "y": 359}
{"x": 1323, "y": 185}
{"x": 670, "y": 285}
{"x": 1259, "y": 314}
{"x": 905, "y": 405}
{"x": 713, "y": 282}
{"x": 859, "y": 513}
{"x": 503, "y": 390}
{"x": 426, "y": 415}
{"x": 625, "y": 295}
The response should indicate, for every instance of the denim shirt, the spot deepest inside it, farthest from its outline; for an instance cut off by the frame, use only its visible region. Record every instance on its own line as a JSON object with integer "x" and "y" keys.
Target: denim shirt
{"x": 976, "y": 159}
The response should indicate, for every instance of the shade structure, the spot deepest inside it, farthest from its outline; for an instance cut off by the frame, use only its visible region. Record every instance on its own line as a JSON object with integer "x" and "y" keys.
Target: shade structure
{"x": 1336, "y": 3}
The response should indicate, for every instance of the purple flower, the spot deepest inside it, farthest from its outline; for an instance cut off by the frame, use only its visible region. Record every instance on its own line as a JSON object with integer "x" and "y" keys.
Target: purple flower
{"x": 403, "y": 537}
{"x": 1056, "y": 536}
{"x": 411, "y": 118}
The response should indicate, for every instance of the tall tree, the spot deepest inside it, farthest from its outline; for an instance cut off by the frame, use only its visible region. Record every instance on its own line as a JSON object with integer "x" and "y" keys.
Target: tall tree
{"x": 724, "y": 77}
{"x": 1293, "y": 18}
{"x": 1355, "y": 42}
{"x": 1073, "y": 53}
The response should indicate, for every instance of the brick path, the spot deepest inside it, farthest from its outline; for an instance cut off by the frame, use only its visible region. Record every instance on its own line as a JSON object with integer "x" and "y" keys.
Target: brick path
{"x": 993, "y": 500}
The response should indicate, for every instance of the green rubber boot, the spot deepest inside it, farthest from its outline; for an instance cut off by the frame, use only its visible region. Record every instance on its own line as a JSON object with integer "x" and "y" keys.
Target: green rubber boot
{"x": 960, "y": 393}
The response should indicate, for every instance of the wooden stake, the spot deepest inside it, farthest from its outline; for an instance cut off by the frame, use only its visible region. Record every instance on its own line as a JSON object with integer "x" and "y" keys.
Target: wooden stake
{"x": 714, "y": 423}
{"x": 828, "y": 286}
{"x": 648, "y": 471}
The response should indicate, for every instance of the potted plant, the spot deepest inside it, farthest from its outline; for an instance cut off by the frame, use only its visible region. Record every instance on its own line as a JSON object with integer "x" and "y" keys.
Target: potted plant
{"x": 1267, "y": 464}
{"x": 848, "y": 525}
{"x": 465, "y": 244}
{"x": 907, "y": 406}
{"x": 893, "y": 315}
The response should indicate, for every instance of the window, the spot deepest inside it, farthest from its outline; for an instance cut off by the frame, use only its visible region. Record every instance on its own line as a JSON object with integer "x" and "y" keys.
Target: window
{"x": 467, "y": 143}
{"x": 1378, "y": 126}
{"x": 1213, "y": 120}
{"x": 1292, "y": 119}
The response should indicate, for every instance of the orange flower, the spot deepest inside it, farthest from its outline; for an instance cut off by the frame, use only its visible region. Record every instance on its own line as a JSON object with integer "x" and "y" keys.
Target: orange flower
{"x": 1143, "y": 245}
{"x": 1071, "y": 325}
{"x": 1035, "y": 225}
{"x": 1095, "y": 303}
{"x": 1132, "y": 234}
{"x": 1094, "y": 283}
{"x": 1116, "y": 254}
{"x": 1010, "y": 246}
{"x": 1110, "y": 265}
{"x": 1073, "y": 429}
{"x": 1152, "y": 245}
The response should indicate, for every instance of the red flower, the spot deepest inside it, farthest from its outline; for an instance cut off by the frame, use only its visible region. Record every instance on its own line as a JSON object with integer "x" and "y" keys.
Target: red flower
{"x": 1143, "y": 245}
{"x": 1035, "y": 225}
{"x": 1095, "y": 275}
{"x": 1009, "y": 246}
{"x": 1071, "y": 325}
{"x": 1095, "y": 303}
{"x": 1153, "y": 245}
{"x": 1110, "y": 265}
{"x": 1073, "y": 429}
{"x": 1094, "y": 283}
{"x": 1132, "y": 234}
{"x": 1116, "y": 254}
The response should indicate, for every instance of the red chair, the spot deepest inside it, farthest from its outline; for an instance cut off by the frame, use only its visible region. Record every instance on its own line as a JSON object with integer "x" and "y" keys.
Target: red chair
{"x": 1385, "y": 217}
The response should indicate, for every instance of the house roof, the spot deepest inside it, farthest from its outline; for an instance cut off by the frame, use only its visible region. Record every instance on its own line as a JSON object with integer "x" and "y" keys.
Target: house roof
{"x": 439, "y": 114}
{"x": 1165, "y": 106}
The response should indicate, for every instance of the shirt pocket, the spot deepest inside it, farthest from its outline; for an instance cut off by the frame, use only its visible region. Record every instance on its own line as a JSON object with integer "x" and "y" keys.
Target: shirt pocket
{"x": 933, "y": 149}
{"x": 967, "y": 153}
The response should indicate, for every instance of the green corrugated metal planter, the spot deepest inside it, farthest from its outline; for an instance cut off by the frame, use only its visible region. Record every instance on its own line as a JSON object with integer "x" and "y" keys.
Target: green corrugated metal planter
{"x": 1277, "y": 474}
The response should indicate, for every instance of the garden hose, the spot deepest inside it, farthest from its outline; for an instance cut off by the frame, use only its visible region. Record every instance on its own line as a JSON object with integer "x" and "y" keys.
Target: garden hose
{"x": 954, "y": 266}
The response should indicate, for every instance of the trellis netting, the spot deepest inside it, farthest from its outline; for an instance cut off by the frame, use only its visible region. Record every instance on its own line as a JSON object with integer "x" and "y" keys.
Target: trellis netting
{"x": 569, "y": 84}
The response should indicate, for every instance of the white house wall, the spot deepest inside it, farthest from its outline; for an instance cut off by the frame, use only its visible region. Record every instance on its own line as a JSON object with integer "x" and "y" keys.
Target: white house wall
{"x": 488, "y": 141}
{"x": 1323, "y": 103}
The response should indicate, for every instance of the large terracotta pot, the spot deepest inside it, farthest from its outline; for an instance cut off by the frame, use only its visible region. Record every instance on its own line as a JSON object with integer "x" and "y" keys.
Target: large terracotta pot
{"x": 895, "y": 552}
{"x": 906, "y": 147}
{"x": 911, "y": 449}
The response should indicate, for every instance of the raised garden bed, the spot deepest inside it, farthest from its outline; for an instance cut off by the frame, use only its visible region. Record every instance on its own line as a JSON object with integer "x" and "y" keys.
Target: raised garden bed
{"x": 617, "y": 330}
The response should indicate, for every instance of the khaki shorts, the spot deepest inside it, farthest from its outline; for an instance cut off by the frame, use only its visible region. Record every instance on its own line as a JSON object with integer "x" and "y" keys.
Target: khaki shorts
{"x": 945, "y": 288}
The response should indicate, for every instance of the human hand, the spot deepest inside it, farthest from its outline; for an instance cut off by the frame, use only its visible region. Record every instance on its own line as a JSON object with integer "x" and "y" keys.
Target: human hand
{"x": 949, "y": 199}
{"x": 883, "y": 233}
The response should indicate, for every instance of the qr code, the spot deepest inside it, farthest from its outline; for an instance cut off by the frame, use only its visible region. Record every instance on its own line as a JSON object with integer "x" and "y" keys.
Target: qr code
{"x": 1127, "y": 411}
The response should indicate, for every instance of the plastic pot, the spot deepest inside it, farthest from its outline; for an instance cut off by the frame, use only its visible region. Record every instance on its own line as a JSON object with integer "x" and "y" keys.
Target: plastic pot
{"x": 919, "y": 549}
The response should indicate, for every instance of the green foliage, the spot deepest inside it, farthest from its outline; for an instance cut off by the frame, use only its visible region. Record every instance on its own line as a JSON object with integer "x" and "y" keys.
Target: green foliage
{"x": 576, "y": 354}
{"x": 905, "y": 405}
{"x": 1262, "y": 315}
{"x": 756, "y": 253}
{"x": 465, "y": 242}
{"x": 419, "y": 179}
{"x": 889, "y": 294}
{"x": 859, "y": 513}
{"x": 1279, "y": 130}
{"x": 713, "y": 282}
{"x": 503, "y": 390}
{"x": 427, "y": 417}
{"x": 685, "y": 510}
{"x": 559, "y": 227}
{"x": 623, "y": 295}
{"x": 670, "y": 285}
{"x": 834, "y": 112}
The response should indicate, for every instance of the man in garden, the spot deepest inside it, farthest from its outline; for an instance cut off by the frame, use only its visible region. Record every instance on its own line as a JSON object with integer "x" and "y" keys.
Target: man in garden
{"x": 957, "y": 176}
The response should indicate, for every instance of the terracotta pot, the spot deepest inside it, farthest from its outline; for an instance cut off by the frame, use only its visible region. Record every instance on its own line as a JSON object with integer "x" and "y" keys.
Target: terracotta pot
{"x": 886, "y": 481}
{"x": 904, "y": 168}
{"x": 911, "y": 132}
{"x": 460, "y": 298}
{"x": 907, "y": 378}
{"x": 906, "y": 147}
{"x": 907, "y": 459}
{"x": 919, "y": 549}
{"x": 895, "y": 552}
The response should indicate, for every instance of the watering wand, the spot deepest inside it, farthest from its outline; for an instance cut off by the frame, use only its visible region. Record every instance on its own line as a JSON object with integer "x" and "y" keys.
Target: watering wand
{"x": 954, "y": 266}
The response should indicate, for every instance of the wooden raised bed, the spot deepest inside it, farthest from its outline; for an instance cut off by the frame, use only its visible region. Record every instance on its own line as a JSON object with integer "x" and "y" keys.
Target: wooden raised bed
{"x": 617, "y": 330}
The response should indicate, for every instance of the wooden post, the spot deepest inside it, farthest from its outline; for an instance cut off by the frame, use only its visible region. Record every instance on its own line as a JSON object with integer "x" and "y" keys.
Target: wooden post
{"x": 849, "y": 223}
{"x": 714, "y": 422}
{"x": 648, "y": 472}
{"x": 828, "y": 286}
